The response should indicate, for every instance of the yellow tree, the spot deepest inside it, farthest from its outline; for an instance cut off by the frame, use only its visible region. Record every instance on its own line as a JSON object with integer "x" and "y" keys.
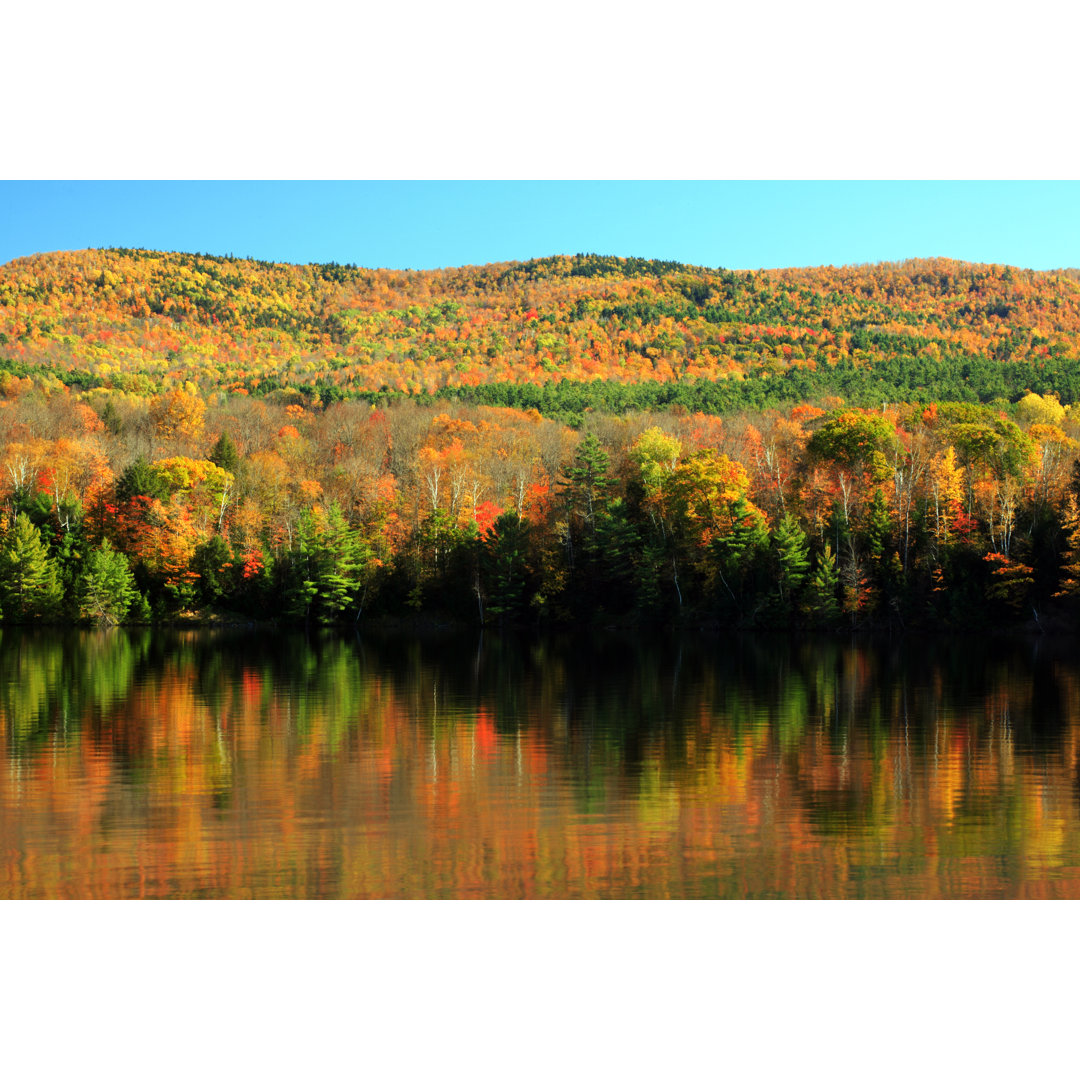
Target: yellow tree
{"x": 1054, "y": 455}
{"x": 178, "y": 415}
{"x": 204, "y": 488}
{"x": 706, "y": 502}
{"x": 946, "y": 483}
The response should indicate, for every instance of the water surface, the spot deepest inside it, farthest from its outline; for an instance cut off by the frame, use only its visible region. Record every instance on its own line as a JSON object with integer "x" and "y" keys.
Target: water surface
{"x": 224, "y": 764}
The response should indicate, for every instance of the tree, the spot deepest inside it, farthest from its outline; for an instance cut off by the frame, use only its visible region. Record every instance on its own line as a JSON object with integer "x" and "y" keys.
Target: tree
{"x": 946, "y": 483}
{"x": 615, "y": 556}
{"x": 216, "y": 568}
{"x": 29, "y": 584}
{"x": 141, "y": 478}
{"x": 821, "y": 591}
{"x": 199, "y": 486}
{"x": 883, "y": 562}
{"x": 855, "y": 443}
{"x": 297, "y": 570}
{"x": 503, "y": 563}
{"x": 178, "y": 414}
{"x": 706, "y": 501}
{"x": 877, "y": 529}
{"x": 111, "y": 418}
{"x": 792, "y": 553}
{"x": 656, "y": 456}
{"x": 1036, "y": 409}
{"x": 586, "y": 482}
{"x": 225, "y": 455}
{"x": 341, "y": 564}
{"x": 995, "y": 453}
{"x": 740, "y": 553}
{"x": 1010, "y": 581}
{"x": 105, "y": 590}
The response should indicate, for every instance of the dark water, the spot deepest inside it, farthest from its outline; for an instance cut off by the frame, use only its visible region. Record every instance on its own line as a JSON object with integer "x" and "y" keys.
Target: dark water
{"x": 208, "y": 764}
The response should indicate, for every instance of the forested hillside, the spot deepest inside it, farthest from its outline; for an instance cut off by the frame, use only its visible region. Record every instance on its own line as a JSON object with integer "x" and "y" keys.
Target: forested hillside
{"x": 566, "y": 440}
{"x": 641, "y": 332}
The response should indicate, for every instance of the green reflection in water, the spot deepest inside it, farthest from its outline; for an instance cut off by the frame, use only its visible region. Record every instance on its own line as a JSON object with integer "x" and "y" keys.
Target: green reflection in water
{"x": 197, "y": 763}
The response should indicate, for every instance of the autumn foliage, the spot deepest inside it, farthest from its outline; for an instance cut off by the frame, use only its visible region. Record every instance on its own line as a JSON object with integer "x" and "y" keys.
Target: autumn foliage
{"x": 270, "y": 441}
{"x": 153, "y": 323}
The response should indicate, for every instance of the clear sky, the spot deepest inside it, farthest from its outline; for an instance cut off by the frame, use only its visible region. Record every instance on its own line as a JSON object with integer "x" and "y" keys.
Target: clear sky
{"x": 424, "y": 224}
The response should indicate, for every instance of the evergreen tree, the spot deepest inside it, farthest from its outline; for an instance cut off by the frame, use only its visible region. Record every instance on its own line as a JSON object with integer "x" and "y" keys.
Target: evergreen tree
{"x": 822, "y": 589}
{"x": 106, "y": 588}
{"x": 140, "y": 610}
{"x": 29, "y": 583}
{"x": 503, "y": 562}
{"x": 141, "y": 478}
{"x": 341, "y": 562}
{"x": 878, "y": 529}
{"x": 225, "y": 455}
{"x": 792, "y": 553}
{"x": 650, "y": 570}
{"x": 739, "y": 554}
{"x": 587, "y": 482}
{"x": 838, "y": 529}
{"x": 616, "y": 544}
{"x": 213, "y": 562}
{"x": 70, "y": 557}
{"x": 883, "y": 563}
{"x": 297, "y": 571}
{"x": 583, "y": 496}
{"x": 111, "y": 418}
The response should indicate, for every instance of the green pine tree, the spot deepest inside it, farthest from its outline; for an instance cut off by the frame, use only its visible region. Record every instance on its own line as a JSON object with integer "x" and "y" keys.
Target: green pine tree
{"x": 792, "y": 554}
{"x": 29, "y": 583}
{"x": 214, "y": 562}
{"x": 503, "y": 562}
{"x": 297, "y": 570}
{"x": 739, "y": 554}
{"x": 225, "y": 455}
{"x": 584, "y": 496}
{"x": 111, "y": 418}
{"x": 885, "y": 570}
{"x": 878, "y": 527}
{"x": 821, "y": 592}
{"x": 105, "y": 590}
{"x": 341, "y": 562}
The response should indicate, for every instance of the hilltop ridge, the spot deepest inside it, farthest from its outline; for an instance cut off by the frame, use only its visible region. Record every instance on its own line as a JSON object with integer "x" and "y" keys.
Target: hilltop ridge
{"x": 135, "y": 319}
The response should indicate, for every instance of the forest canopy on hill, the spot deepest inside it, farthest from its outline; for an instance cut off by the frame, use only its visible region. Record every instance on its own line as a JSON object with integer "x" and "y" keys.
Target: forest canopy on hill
{"x": 568, "y": 440}
{"x": 560, "y": 334}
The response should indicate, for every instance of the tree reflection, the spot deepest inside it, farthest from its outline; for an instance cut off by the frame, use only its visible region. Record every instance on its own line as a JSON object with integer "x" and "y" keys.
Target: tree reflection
{"x": 197, "y": 763}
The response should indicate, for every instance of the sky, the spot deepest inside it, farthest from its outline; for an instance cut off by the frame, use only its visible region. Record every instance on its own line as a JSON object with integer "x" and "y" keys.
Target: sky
{"x": 735, "y": 224}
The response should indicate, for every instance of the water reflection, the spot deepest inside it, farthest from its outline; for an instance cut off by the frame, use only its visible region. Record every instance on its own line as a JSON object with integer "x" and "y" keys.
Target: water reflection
{"x": 179, "y": 764}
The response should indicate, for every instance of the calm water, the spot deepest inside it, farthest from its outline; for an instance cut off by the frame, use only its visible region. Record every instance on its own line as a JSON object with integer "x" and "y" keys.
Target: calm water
{"x": 208, "y": 764}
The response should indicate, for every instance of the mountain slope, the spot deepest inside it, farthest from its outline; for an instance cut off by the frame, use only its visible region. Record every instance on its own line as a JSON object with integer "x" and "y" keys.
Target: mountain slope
{"x": 135, "y": 319}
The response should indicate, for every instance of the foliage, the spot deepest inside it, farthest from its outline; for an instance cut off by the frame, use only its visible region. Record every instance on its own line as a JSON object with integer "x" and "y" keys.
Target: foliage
{"x": 162, "y": 325}
{"x": 29, "y": 583}
{"x": 579, "y": 438}
{"x": 505, "y": 553}
{"x": 106, "y": 589}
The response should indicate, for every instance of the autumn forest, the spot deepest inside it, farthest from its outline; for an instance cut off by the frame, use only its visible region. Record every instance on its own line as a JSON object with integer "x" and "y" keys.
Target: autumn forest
{"x": 577, "y": 440}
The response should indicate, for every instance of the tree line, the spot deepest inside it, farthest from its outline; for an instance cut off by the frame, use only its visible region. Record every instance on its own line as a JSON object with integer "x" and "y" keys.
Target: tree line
{"x": 120, "y": 508}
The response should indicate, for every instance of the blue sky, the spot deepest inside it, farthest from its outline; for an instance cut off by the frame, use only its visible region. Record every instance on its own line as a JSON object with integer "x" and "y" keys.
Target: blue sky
{"x": 424, "y": 224}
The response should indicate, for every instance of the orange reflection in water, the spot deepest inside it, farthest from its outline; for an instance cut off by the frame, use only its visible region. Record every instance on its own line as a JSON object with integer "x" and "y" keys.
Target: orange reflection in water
{"x": 140, "y": 765}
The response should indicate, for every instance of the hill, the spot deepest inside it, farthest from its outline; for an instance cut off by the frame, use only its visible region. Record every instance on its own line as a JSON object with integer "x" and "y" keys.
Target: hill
{"x": 537, "y": 333}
